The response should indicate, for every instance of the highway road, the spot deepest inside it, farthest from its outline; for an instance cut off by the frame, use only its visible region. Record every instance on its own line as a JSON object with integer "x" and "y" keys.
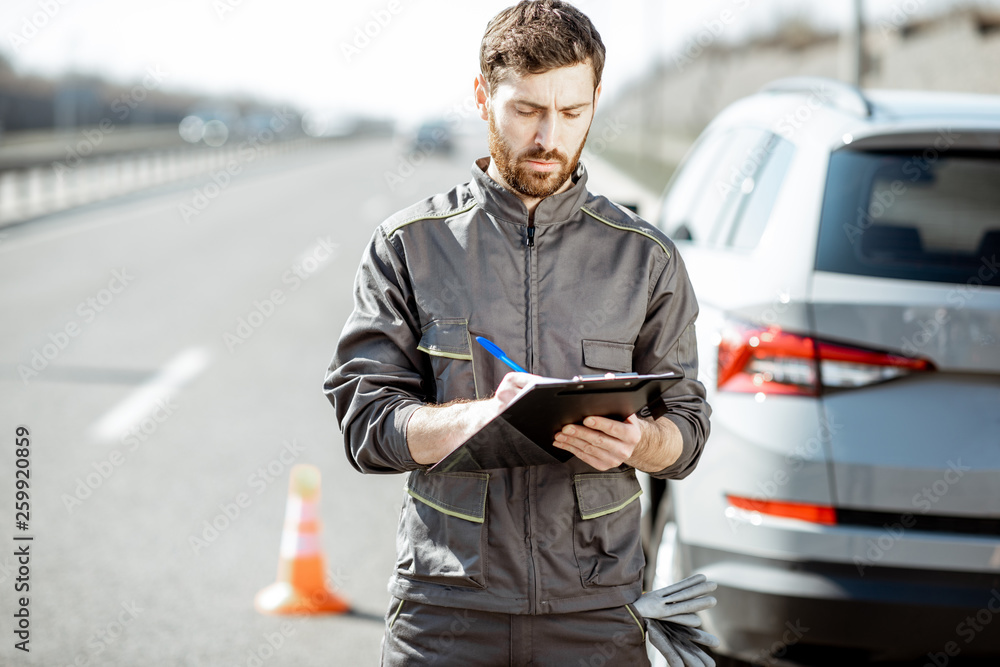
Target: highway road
{"x": 166, "y": 351}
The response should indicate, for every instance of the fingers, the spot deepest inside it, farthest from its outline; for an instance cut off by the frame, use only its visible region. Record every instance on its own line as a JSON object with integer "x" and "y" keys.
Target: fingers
{"x": 602, "y": 443}
{"x": 517, "y": 380}
{"x": 681, "y": 585}
{"x": 511, "y": 385}
{"x": 685, "y": 597}
{"x": 589, "y": 453}
{"x": 588, "y": 439}
{"x": 698, "y": 636}
{"x": 592, "y": 454}
{"x": 684, "y": 607}
{"x": 678, "y": 650}
{"x": 659, "y": 639}
{"x": 690, "y": 620}
{"x": 693, "y": 586}
{"x": 692, "y": 654}
{"x": 703, "y": 588}
{"x": 626, "y": 430}
{"x": 648, "y": 605}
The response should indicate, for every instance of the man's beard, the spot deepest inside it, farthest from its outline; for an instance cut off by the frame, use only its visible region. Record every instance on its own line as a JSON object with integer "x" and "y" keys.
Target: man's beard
{"x": 523, "y": 179}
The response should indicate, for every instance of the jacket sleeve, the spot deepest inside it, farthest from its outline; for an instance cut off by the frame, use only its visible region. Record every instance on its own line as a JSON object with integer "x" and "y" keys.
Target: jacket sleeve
{"x": 667, "y": 343}
{"x": 374, "y": 380}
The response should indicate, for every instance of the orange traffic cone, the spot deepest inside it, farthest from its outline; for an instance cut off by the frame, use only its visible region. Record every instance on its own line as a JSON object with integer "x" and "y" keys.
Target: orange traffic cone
{"x": 301, "y": 586}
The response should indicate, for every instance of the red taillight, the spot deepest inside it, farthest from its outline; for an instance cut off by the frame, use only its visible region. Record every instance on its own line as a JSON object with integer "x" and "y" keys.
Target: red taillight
{"x": 767, "y": 360}
{"x": 845, "y": 367}
{"x": 823, "y": 514}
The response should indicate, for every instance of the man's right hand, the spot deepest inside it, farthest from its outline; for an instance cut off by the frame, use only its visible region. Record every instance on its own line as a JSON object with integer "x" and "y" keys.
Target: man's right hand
{"x": 511, "y": 386}
{"x": 434, "y": 431}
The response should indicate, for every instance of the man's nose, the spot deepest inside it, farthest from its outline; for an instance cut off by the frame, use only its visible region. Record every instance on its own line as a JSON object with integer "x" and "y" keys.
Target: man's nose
{"x": 547, "y": 134}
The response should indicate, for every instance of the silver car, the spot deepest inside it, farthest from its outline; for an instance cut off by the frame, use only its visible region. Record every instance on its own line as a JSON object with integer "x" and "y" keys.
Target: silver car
{"x": 844, "y": 247}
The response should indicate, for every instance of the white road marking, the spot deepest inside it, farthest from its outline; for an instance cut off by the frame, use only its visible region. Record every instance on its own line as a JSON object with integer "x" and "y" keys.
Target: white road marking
{"x": 138, "y": 405}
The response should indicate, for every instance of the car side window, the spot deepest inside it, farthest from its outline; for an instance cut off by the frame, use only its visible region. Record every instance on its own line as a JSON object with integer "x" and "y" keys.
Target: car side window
{"x": 760, "y": 191}
{"x": 705, "y": 197}
{"x": 721, "y": 202}
{"x": 682, "y": 193}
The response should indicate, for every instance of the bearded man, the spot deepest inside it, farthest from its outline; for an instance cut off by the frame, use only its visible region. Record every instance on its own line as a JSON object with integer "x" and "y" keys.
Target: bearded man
{"x": 540, "y": 564}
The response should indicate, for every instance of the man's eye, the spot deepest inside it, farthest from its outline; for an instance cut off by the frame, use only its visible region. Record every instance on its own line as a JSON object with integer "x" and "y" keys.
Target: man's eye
{"x": 524, "y": 113}
{"x": 571, "y": 116}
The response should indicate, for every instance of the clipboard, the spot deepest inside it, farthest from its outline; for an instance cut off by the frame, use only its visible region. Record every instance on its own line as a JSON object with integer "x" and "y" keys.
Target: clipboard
{"x": 522, "y": 434}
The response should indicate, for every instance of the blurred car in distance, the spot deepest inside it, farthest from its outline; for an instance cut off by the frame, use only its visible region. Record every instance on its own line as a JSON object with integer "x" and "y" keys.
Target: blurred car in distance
{"x": 844, "y": 249}
{"x": 434, "y": 136}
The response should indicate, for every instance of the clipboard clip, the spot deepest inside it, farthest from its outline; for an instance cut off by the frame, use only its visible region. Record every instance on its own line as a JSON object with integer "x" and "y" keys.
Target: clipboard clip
{"x": 603, "y": 376}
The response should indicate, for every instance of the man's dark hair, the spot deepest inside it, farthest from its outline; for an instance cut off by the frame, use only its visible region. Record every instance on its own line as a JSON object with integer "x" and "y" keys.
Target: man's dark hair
{"x": 535, "y": 36}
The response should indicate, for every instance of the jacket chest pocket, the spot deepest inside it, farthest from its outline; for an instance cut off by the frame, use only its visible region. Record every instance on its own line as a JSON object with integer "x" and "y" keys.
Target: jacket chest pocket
{"x": 449, "y": 345}
{"x": 442, "y": 535}
{"x": 607, "y": 545}
{"x": 600, "y": 355}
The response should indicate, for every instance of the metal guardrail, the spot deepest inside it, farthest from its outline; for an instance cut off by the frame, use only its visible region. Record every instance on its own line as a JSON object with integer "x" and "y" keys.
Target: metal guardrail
{"x": 46, "y": 186}
{"x": 38, "y": 148}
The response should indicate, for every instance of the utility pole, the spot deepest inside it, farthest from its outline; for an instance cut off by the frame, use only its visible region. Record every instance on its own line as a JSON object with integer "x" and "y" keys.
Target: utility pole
{"x": 859, "y": 43}
{"x": 649, "y": 107}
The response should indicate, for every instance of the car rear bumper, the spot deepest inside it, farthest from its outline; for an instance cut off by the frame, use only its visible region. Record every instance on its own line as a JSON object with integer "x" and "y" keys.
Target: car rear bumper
{"x": 826, "y": 613}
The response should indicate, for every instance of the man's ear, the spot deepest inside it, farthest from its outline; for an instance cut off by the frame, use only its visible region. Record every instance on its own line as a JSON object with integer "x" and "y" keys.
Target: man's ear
{"x": 482, "y": 93}
{"x": 597, "y": 94}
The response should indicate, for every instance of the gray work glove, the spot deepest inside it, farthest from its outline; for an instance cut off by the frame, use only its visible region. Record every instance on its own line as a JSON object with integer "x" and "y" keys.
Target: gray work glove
{"x": 672, "y": 622}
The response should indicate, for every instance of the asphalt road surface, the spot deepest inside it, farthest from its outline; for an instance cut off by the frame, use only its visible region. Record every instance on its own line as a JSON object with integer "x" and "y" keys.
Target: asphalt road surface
{"x": 166, "y": 353}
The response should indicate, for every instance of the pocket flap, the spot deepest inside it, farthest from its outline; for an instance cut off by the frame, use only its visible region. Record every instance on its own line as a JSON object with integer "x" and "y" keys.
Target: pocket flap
{"x": 457, "y": 494}
{"x": 605, "y": 492}
{"x": 446, "y": 338}
{"x": 607, "y": 355}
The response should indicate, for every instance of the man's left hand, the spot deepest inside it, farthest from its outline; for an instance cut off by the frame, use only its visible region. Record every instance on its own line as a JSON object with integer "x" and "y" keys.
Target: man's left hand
{"x": 600, "y": 442}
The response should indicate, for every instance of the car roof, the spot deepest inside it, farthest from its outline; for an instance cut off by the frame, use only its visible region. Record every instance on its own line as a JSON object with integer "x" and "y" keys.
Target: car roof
{"x": 909, "y": 104}
{"x": 838, "y": 114}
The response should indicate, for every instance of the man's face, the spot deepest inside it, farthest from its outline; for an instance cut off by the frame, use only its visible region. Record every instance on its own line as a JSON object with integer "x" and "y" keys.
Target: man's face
{"x": 538, "y": 126}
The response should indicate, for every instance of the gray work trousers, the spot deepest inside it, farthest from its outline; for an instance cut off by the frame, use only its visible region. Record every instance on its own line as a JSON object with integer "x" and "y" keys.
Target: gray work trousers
{"x": 422, "y": 634}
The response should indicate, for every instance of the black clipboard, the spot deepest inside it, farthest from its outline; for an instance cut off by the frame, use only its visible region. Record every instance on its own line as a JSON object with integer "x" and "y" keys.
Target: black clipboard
{"x": 522, "y": 434}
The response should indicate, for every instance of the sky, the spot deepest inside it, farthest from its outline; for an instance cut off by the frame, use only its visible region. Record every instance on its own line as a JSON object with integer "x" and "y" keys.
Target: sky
{"x": 407, "y": 59}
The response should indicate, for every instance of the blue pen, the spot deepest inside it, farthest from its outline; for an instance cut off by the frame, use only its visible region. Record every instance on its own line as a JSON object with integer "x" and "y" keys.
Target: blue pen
{"x": 498, "y": 353}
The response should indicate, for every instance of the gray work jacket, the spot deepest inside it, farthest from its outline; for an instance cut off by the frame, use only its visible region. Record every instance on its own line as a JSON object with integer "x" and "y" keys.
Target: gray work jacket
{"x": 585, "y": 287}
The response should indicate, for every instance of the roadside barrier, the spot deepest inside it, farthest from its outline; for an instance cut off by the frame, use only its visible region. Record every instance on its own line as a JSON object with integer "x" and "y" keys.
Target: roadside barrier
{"x": 30, "y": 192}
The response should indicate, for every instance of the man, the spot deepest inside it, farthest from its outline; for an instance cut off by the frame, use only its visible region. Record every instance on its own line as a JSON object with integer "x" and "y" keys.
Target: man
{"x": 539, "y": 564}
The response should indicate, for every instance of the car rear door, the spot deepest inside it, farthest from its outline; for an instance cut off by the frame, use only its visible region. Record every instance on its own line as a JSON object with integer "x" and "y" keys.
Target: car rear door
{"x": 907, "y": 277}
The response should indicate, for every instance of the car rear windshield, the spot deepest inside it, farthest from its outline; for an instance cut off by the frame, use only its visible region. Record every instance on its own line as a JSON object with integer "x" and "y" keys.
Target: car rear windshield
{"x": 912, "y": 215}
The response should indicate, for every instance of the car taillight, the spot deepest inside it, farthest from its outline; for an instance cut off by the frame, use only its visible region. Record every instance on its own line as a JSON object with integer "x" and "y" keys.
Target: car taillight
{"x": 767, "y": 360}
{"x": 823, "y": 514}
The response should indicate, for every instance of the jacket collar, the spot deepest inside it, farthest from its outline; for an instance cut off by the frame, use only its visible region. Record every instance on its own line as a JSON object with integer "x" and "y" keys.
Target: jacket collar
{"x": 501, "y": 202}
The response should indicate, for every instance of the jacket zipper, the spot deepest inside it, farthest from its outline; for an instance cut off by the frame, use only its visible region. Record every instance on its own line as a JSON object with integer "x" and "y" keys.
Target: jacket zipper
{"x": 528, "y": 473}
{"x": 529, "y": 480}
